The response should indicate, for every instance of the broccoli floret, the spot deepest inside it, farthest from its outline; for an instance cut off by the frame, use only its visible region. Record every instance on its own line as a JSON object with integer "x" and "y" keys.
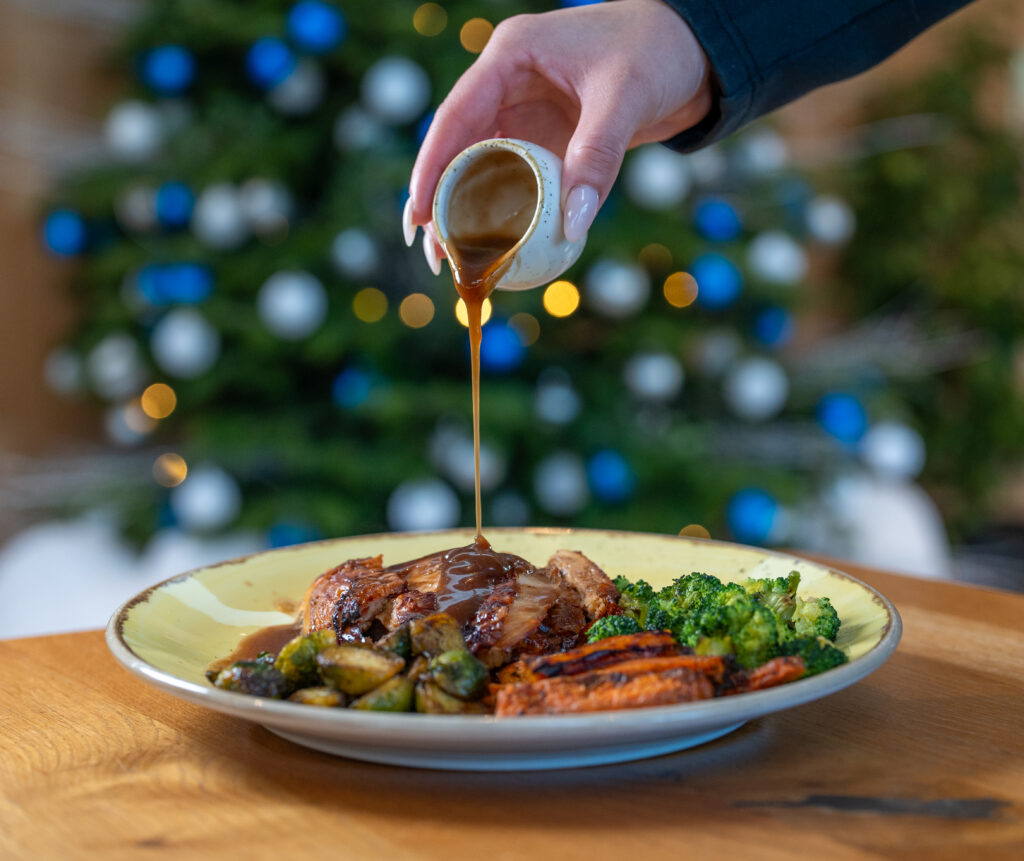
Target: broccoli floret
{"x": 738, "y": 625}
{"x": 691, "y": 593}
{"x": 778, "y": 594}
{"x": 818, "y": 653}
{"x": 757, "y": 640}
{"x": 612, "y": 626}
{"x": 715, "y": 646}
{"x": 815, "y": 617}
{"x": 636, "y": 599}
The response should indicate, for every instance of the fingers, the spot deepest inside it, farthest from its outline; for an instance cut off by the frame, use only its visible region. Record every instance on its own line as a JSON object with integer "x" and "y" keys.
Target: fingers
{"x": 466, "y": 116}
{"x": 594, "y": 155}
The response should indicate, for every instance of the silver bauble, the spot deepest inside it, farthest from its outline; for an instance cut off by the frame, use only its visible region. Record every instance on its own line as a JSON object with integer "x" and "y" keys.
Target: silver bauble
{"x": 396, "y": 90}
{"x": 421, "y": 505}
{"x": 218, "y": 219}
{"x": 654, "y": 376}
{"x": 615, "y": 289}
{"x": 184, "y": 344}
{"x": 657, "y": 178}
{"x": 756, "y": 389}
{"x": 292, "y": 304}
{"x": 208, "y": 499}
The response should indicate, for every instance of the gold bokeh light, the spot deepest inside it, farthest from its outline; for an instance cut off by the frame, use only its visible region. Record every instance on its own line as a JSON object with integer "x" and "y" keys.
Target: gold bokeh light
{"x": 170, "y": 469}
{"x": 429, "y": 19}
{"x": 370, "y": 304}
{"x": 526, "y": 326}
{"x": 694, "y": 530}
{"x": 655, "y": 256}
{"x": 416, "y": 310}
{"x": 561, "y": 298}
{"x": 475, "y": 34}
{"x": 158, "y": 401}
{"x": 680, "y": 289}
{"x": 462, "y": 315}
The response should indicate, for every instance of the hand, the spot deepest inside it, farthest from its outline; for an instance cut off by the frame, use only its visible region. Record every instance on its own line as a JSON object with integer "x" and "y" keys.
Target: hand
{"x": 587, "y": 83}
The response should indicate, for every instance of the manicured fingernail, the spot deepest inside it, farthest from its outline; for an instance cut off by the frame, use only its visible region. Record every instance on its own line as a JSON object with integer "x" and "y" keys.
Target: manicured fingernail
{"x": 433, "y": 261}
{"x": 580, "y": 209}
{"x": 408, "y": 228}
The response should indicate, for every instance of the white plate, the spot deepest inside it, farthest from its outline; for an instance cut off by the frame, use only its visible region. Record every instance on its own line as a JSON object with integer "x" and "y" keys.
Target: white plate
{"x": 168, "y": 635}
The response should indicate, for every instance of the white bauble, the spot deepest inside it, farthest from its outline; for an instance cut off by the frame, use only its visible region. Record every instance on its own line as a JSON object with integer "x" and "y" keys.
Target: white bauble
{"x": 614, "y": 289}
{"x": 208, "y": 499}
{"x": 301, "y": 92}
{"x": 127, "y": 425}
{"x": 421, "y": 505}
{"x": 115, "y": 367}
{"x": 762, "y": 152}
{"x": 134, "y": 131}
{"x": 184, "y": 344}
{"x": 218, "y": 219}
{"x": 894, "y": 450}
{"x": 756, "y": 389}
{"x": 354, "y": 253}
{"x": 267, "y": 205}
{"x": 717, "y": 350}
{"x": 774, "y": 256}
{"x": 830, "y": 219}
{"x": 355, "y": 129}
{"x": 458, "y": 466}
{"x": 63, "y": 371}
{"x": 135, "y": 209}
{"x": 560, "y": 484}
{"x": 654, "y": 376}
{"x": 657, "y": 178}
{"x": 396, "y": 90}
{"x": 508, "y": 508}
{"x": 292, "y": 304}
{"x": 556, "y": 401}
{"x": 708, "y": 165}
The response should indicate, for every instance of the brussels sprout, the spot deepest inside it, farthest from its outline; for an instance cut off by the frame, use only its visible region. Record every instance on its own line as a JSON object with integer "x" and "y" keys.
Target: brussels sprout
{"x": 325, "y": 697}
{"x": 297, "y": 658}
{"x": 357, "y": 669}
{"x": 459, "y": 674}
{"x": 435, "y": 635}
{"x": 416, "y": 668}
{"x": 256, "y": 678}
{"x": 397, "y": 641}
{"x": 395, "y": 695}
{"x": 430, "y": 699}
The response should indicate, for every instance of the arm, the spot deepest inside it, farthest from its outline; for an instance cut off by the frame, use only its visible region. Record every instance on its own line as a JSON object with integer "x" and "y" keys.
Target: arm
{"x": 765, "y": 53}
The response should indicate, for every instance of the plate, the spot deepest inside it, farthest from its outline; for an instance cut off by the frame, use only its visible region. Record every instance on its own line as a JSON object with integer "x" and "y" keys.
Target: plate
{"x": 168, "y": 635}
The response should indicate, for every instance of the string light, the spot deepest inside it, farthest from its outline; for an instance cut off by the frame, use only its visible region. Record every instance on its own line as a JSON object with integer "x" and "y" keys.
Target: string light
{"x": 526, "y": 327}
{"x": 680, "y": 289}
{"x": 429, "y": 19}
{"x": 370, "y": 304}
{"x": 655, "y": 256}
{"x": 694, "y": 530}
{"x": 475, "y": 34}
{"x": 416, "y": 310}
{"x": 561, "y": 298}
{"x": 462, "y": 315}
{"x": 158, "y": 401}
{"x": 170, "y": 469}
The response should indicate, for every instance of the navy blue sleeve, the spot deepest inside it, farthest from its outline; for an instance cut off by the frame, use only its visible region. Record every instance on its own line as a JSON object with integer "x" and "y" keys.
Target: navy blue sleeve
{"x": 765, "y": 53}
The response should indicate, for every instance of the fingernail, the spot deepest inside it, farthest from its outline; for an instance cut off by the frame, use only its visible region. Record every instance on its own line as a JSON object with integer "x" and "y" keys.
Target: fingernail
{"x": 408, "y": 228}
{"x": 433, "y": 261}
{"x": 580, "y": 209}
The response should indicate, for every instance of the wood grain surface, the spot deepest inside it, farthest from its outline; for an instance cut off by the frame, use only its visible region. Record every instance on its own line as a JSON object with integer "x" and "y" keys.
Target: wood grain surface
{"x": 923, "y": 759}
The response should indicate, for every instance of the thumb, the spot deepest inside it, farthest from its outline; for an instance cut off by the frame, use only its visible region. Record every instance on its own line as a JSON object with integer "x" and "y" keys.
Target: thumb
{"x": 593, "y": 159}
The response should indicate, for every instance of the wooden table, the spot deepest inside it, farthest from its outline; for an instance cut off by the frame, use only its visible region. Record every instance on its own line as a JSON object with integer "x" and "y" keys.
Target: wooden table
{"x": 923, "y": 759}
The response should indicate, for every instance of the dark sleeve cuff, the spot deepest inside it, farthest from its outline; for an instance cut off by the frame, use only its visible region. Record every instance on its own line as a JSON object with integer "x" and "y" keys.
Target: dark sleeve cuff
{"x": 766, "y": 53}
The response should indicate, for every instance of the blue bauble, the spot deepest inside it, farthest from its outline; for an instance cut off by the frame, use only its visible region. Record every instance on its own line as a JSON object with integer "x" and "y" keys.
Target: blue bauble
{"x": 286, "y": 533}
{"x": 423, "y": 126}
{"x": 175, "y": 283}
{"x": 316, "y": 27}
{"x": 269, "y": 62}
{"x": 501, "y": 348}
{"x": 571, "y": 3}
{"x": 610, "y": 476}
{"x": 351, "y": 387}
{"x": 719, "y": 281}
{"x": 64, "y": 233}
{"x": 174, "y": 202}
{"x": 168, "y": 69}
{"x": 843, "y": 415}
{"x": 774, "y": 327}
{"x": 716, "y": 219}
{"x": 751, "y": 514}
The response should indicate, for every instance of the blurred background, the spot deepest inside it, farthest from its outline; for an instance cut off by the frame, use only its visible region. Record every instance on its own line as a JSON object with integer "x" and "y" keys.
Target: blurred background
{"x": 215, "y": 341}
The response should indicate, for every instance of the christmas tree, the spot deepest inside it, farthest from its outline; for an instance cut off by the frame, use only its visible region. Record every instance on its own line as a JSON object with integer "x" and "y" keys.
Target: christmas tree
{"x": 250, "y": 312}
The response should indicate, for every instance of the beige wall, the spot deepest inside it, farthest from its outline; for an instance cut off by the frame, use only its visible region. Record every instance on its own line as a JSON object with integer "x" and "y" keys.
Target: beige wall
{"x": 53, "y": 90}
